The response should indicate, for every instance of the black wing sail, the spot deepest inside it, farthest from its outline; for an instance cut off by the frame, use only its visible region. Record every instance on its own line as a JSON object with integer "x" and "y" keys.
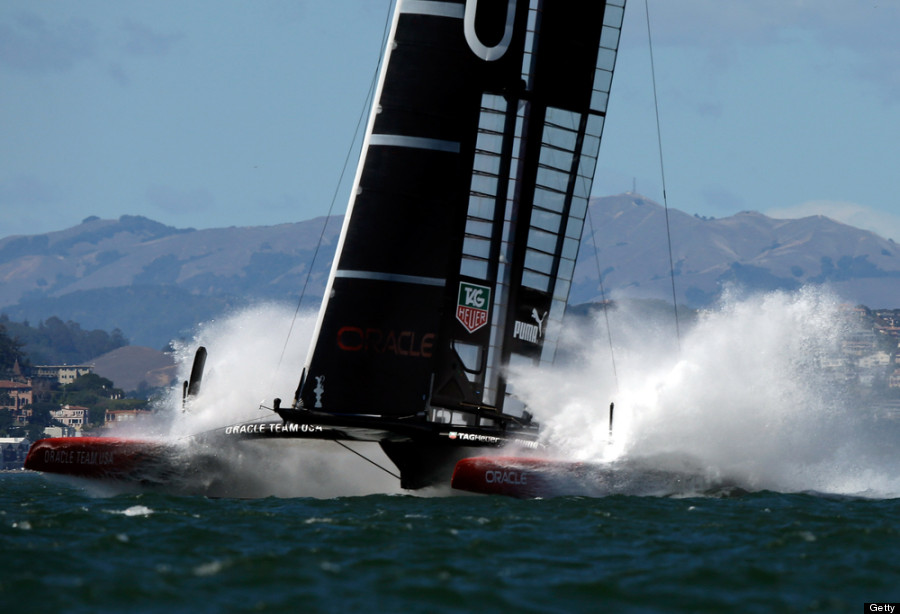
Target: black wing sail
{"x": 459, "y": 243}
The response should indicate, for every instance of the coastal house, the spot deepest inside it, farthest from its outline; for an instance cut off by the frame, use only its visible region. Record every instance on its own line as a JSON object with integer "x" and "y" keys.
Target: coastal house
{"x": 894, "y": 379}
{"x": 875, "y": 360}
{"x": 887, "y": 322}
{"x": 12, "y": 452}
{"x": 859, "y": 343}
{"x": 61, "y": 431}
{"x": 118, "y": 417}
{"x": 71, "y": 415}
{"x": 64, "y": 374}
{"x": 17, "y": 397}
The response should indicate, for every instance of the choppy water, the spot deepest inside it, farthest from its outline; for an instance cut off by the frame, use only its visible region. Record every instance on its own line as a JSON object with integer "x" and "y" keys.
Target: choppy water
{"x": 65, "y": 551}
{"x": 748, "y": 397}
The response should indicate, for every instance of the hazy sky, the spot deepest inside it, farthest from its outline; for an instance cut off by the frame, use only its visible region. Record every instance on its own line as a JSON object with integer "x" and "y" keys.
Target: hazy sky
{"x": 218, "y": 112}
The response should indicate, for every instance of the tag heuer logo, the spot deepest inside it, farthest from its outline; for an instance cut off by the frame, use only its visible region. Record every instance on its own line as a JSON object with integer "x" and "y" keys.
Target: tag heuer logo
{"x": 473, "y": 305}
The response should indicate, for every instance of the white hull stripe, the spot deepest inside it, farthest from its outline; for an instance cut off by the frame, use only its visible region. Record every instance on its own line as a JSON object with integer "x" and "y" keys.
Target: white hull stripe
{"x": 392, "y": 277}
{"x": 437, "y": 9}
{"x": 414, "y": 142}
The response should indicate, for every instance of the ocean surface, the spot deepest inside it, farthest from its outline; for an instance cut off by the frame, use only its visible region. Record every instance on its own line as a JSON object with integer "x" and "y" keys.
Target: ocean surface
{"x": 64, "y": 550}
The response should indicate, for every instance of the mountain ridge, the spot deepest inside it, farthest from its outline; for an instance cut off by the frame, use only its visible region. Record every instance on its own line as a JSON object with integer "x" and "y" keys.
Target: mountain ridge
{"x": 748, "y": 248}
{"x": 156, "y": 282}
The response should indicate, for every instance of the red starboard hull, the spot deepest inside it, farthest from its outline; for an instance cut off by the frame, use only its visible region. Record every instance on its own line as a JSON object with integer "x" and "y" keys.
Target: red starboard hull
{"x": 511, "y": 476}
{"x": 103, "y": 458}
{"x": 526, "y": 477}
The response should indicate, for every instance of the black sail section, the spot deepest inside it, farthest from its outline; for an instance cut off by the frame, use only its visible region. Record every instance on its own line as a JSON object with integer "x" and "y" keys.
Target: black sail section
{"x": 573, "y": 51}
{"x": 459, "y": 242}
{"x": 381, "y": 335}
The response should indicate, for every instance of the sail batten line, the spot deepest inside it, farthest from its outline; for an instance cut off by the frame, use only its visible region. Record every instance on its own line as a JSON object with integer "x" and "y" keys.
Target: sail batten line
{"x": 435, "y": 9}
{"x": 391, "y": 277}
{"x": 414, "y": 142}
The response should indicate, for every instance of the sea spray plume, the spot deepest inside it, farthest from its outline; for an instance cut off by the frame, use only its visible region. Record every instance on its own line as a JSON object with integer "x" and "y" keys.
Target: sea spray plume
{"x": 245, "y": 370}
{"x": 572, "y": 400}
{"x": 750, "y": 398}
{"x": 747, "y": 396}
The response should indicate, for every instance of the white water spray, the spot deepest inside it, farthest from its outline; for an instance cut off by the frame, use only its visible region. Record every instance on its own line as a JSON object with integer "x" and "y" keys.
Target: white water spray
{"x": 750, "y": 397}
{"x": 245, "y": 370}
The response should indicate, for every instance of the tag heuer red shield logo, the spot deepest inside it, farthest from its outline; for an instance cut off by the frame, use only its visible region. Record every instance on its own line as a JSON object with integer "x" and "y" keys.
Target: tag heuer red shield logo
{"x": 473, "y": 305}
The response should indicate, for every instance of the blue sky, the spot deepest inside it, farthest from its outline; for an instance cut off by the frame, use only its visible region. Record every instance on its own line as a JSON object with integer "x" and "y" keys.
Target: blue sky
{"x": 224, "y": 113}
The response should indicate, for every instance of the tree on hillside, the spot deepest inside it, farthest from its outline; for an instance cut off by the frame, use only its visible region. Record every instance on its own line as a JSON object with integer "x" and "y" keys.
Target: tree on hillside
{"x": 40, "y": 419}
{"x": 43, "y": 390}
{"x": 6, "y": 422}
{"x": 56, "y": 342}
{"x": 10, "y": 351}
{"x": 98, "y": 394}
{"x": 89, "y": 390}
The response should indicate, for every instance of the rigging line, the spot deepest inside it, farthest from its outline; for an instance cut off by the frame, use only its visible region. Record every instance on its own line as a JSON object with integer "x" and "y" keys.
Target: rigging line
{"x": 365, "y": 458}
{"x": 343, "y": 445}
{"x": 359, "y": 123}
{"x": 590, "y": 220}
{"x": 606, "y": 306}
{"x": 662, "y": 173}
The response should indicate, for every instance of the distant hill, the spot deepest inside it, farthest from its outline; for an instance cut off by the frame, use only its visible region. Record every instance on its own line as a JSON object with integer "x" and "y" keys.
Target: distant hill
{"x": 156, "y": 282}
{"x": 135, "y": 367}
{"x": 757, "y": 252}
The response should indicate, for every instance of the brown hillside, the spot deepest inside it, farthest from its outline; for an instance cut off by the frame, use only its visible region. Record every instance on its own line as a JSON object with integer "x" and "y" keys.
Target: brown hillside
{"x": 128, "y": 366}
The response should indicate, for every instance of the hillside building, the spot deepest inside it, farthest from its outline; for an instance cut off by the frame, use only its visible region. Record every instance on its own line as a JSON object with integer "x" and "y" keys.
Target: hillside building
{"x": 118, "y": 417}
{"x": 12, "y": 452}
{"x": 64, "y": 374}
{"x": 61, "y": 431}
{"x": 875, "y": 360}
{"x": 859, "y": 343}
{"x": 71, "y": 415}
{"x": 894, "y": 379}
{"x": 17, "y": 397}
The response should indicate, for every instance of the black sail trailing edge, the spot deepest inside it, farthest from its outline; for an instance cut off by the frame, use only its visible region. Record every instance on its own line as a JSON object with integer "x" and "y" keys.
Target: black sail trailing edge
{"x": 459, "y": 243}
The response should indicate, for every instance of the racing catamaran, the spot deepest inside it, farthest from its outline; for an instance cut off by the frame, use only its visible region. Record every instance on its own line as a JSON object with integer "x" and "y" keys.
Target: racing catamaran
{"x": 459, "y": 243}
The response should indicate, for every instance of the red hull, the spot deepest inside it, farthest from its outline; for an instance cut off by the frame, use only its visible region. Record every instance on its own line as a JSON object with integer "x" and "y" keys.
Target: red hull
{"x": 511, "y": 476}
{"x": 542, "y": 477}
{"x": 105, "y": 458}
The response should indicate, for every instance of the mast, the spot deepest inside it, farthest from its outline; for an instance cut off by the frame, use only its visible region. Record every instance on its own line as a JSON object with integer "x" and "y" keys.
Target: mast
{"x": 459, "y": 243}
